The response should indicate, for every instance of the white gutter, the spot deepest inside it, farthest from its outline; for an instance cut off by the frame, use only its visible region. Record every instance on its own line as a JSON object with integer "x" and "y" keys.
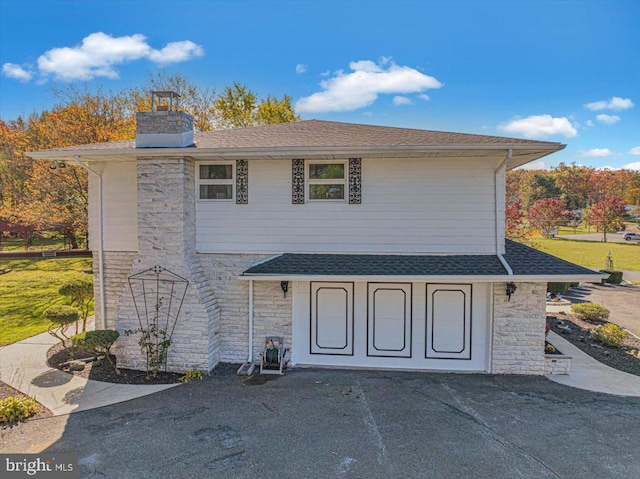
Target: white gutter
{"x": 103, "y": 319}
{"x": 485, "y": 278}
{"x": 499, "y": 229}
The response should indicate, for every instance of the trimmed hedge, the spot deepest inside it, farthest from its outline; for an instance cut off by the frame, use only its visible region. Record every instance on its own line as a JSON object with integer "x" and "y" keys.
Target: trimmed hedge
{"x": 560, "y": 288}
{"x": 61, "y": 315}
{"x": 99, "y": 342}
{"x": 610, "y": 335}
{"x": 590, "y": 312}
{"x": 615, "y": 276}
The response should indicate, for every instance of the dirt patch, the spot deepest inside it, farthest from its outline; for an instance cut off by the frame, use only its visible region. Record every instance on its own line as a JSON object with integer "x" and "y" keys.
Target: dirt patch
{"x": 102, "y": 370}
{"x": 7, "y": 391}
{"x": 625, "y": 358}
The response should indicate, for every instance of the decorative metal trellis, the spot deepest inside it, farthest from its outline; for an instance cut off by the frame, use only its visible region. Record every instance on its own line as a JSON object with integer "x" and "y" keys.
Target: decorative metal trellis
{"x": 158, "y": 295}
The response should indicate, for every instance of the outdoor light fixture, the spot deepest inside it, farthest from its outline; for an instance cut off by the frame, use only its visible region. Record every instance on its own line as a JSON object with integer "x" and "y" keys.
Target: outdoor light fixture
{"x": 285, "y": 287}
{"x": 57, "y": 164}
{"x": 511, "y": 288}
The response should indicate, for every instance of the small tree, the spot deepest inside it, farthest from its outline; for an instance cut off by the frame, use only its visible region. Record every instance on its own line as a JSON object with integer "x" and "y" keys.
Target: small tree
{"x": 98, "y": 342}
{"x": 515, "y": 227}
{"x": 546, "y": 214}
{"x": 61, "y": 317}
{"x": 80, "y": 290}
{"x": 607, "y": 215}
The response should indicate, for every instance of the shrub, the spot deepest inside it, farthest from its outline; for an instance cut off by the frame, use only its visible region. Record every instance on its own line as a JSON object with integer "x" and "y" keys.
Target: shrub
{"x": 17, "y": 408}
{"x": 61, "y": 317}
{"x": 615, "y": 277}
{"x": 610, "y": 335}
{"x": 550, "y": 349}
{"x": 98, "y": 342}
{"x": 590, "y": 312}
{"x": 80, "y": 290}
{"x": 190, "y": 375}
{"x": 558, "y": 288}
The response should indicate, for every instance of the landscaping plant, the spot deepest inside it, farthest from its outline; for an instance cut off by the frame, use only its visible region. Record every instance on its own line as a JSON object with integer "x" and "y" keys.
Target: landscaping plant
{"x": 61, "y": 317}
{"x": 190, "y": 375}
{"x": 17, "y": 408}
{"x": 98, "y": 342}
{"x": 80, "y": 290}
{"x": 154, "y": 341}
{"x": 610, "y": 335}
{"x": 594, "y": 313}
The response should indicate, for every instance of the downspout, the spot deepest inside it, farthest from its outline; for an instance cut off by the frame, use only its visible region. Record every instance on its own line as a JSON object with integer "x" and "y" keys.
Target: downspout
{"x": 103, "y": 319}
{"x": 498, "y": 228}
{"x": 250, "y": 355}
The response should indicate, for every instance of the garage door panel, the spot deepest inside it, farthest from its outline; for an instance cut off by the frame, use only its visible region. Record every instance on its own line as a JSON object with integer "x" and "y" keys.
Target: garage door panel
{"x": 389, "y": 320}
{"x": 331, "y": 318}
{"x": 448, "y": 328}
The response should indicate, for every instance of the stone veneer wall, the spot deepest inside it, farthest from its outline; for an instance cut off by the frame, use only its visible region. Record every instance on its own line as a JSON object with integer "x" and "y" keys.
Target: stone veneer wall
{"x": 272, "y": 312}
{"x": 518, "y": 329}
{"x": 117, "y": 266}
{"x": 166, "y": 237}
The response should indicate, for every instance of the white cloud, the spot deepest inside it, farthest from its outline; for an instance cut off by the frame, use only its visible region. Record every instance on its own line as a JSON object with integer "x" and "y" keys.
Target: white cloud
{"x": 608, "y": 119}
{"x": 614, "y": 103}
{"x": 361, "y": 87}
{"x": 424, "y": 96}
{"x": 589, "y": 123}
{"x": 325, "y": 73}
{"x": 300, "y": 68}
{"x": 16, "y": 72}
{"x": 176, "y": 52}
{"x": 610, "y": 168}
{"x": 596, "y": 153}
{"x": 402, "y": 100}
{"x": 539, "y": 126}
{"x": 632, "y": 166}
{"x": 534, "y": 165}
{"x": 635, "y": 150}
{"x": 99, "y": 53}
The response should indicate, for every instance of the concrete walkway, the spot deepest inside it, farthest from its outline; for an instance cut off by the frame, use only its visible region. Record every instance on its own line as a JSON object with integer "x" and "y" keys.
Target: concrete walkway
{"x": 23, "y": 367}
{"x": 590, "y": 374}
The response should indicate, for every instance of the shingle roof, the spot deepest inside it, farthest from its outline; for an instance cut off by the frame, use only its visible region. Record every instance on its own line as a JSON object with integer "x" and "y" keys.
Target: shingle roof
{"x": 522, "y": 259}
{"x": 330, "y": 134}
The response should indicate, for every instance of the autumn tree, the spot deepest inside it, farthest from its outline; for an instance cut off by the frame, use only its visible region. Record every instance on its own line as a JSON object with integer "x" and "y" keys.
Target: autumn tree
{"x": 573, "y": 181}
{"x": 238, "y": 107}
{"x": 607, "y": 215}
{"x": 546, "y": 214}
{"x": 516, "y": 228}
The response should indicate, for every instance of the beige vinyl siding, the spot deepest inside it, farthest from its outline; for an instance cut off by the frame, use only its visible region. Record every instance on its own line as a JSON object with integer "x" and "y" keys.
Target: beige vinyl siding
{"x": 120, "y": 206}
{"x": 408, "y": 206}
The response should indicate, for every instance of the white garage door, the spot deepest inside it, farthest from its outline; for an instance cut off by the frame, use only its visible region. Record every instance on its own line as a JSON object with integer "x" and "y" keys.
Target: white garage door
{"x": 391, "y": 325}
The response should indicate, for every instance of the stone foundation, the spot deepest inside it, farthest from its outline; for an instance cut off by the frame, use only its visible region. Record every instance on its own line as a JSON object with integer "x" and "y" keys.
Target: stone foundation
{"x": 518, "y": 329}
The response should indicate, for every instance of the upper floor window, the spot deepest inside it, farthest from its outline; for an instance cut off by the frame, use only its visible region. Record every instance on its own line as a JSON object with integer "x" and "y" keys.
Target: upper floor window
{"x": 327, "y": 181}
{"x": 216, "y": 181}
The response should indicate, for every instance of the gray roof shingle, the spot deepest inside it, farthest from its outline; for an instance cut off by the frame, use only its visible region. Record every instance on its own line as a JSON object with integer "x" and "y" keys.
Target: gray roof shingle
{"x": 329, "y": 134}
{"x": 522, "y": 259}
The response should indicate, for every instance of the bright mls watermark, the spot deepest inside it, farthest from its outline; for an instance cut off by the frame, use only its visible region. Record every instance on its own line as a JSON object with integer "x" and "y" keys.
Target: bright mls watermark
{"x": 51, "y": 466}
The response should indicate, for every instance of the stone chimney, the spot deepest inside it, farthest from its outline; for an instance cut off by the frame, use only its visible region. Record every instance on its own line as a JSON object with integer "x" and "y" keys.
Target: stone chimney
{"x": 165, "y": 126}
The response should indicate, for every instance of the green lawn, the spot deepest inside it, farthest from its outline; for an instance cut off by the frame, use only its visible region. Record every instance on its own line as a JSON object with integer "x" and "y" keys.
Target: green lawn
{"x": 593, "y": 253}
{"x": 30, "y": 288}
{"x": 566, "y": 230}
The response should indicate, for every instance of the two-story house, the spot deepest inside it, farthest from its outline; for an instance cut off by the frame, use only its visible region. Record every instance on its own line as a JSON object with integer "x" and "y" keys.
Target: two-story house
{"x": 363, "y": 246}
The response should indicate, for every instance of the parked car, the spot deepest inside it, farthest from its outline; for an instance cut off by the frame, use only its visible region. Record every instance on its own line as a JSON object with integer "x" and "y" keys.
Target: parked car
{"x": 632, "y": 236}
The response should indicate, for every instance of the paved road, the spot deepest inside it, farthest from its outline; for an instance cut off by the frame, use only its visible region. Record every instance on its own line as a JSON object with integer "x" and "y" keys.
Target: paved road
{"x": 611, "y": 237}
{"x": 351, "y": 424}
{"x": 622, "y": 300}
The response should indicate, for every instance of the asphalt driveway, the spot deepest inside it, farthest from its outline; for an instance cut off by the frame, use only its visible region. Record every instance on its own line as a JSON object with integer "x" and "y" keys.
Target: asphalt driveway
{"x": 325, "y": 424}
{"x": 622, "y": 300}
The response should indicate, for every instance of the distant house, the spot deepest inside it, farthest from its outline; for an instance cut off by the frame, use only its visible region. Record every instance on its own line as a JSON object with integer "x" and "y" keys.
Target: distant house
{"x": 363, "y": 246}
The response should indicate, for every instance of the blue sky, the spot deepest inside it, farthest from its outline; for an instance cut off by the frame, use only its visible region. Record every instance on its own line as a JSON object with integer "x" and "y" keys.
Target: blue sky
{"x": 558, "y": 71}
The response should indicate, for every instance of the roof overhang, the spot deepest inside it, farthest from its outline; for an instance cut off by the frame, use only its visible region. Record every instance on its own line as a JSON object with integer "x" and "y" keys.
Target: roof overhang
{"x": 564, "y": 278}
{"x": 521, "y": 154}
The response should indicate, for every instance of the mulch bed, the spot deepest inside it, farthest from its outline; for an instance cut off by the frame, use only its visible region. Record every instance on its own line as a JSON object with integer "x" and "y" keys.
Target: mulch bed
{"x": 102, "y": 370}
{"x": 625, "y": 358}
{"x": 6, "y": 391}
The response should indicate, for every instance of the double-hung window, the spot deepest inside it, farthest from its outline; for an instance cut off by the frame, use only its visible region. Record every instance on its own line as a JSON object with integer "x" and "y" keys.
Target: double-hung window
{"x": 216, "y": 181}
{"x": 326, "y": 181}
